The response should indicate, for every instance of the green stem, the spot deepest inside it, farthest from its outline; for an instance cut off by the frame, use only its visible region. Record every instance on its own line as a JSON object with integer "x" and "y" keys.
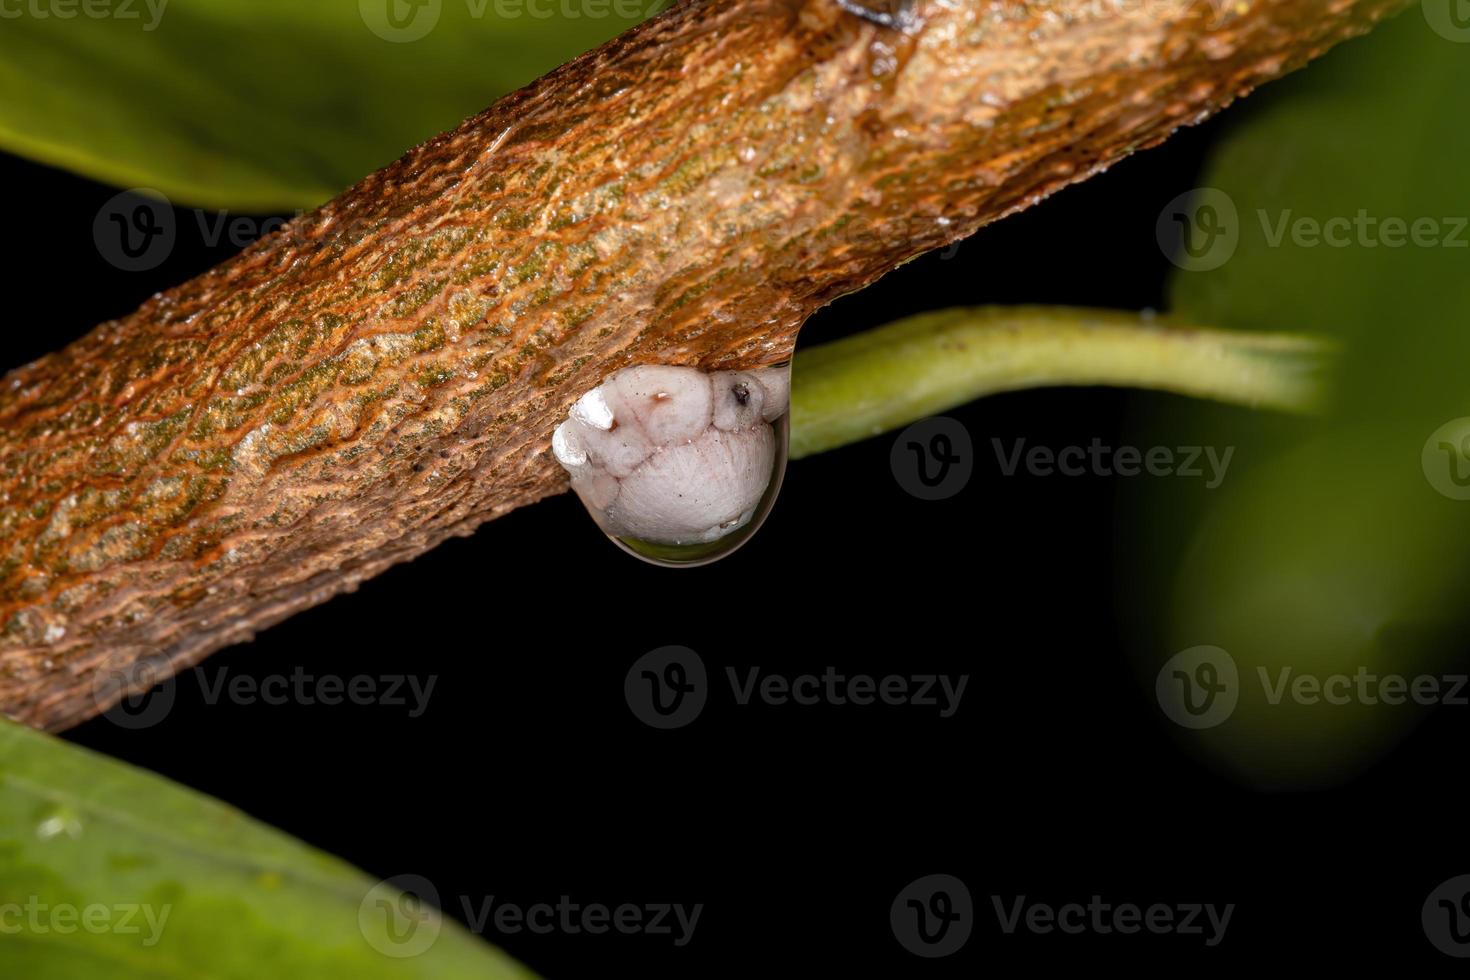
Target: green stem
{"x": 880, "y": 380}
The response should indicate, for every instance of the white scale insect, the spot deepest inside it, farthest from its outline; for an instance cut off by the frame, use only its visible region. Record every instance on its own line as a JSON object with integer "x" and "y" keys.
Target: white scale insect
{"x": 678, "y": 465}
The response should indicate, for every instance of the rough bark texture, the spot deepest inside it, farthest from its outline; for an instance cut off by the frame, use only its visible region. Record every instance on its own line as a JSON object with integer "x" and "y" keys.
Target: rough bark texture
{"x": 387, "y": 370}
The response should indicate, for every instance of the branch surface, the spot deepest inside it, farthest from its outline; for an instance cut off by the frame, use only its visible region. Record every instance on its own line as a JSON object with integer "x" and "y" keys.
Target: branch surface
{"x": 385, "y": 372}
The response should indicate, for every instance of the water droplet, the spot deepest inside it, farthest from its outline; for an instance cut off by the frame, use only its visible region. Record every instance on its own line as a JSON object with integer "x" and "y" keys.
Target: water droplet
{"x": 679, "y": 466}
{"x": 58, "y": 822}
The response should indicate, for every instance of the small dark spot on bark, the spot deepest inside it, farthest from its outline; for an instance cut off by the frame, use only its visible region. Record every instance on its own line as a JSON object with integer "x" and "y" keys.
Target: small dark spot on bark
{"x": 889, "y": 13}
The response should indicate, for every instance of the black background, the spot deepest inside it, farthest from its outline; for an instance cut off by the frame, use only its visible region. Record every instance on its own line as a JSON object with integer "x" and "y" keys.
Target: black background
{"x": 528, "y": 777}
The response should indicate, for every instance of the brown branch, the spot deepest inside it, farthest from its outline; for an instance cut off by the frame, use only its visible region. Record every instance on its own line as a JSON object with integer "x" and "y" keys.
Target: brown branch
{"x": 386, "y": 371}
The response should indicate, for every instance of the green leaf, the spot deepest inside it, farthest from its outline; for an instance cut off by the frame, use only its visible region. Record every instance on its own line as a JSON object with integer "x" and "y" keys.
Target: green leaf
{"x": 885, "y": 378}
{"x": 1331, "y": 551}
{"x": 107, "y": 871}
{"x": 268, "y": 105}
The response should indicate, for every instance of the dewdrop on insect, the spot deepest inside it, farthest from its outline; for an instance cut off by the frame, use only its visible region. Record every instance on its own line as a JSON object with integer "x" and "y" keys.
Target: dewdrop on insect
{"x": 677, "y": 465}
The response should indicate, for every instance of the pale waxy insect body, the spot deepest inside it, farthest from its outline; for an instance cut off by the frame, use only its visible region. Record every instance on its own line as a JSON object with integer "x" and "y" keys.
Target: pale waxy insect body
{"x": 676, "y": 464}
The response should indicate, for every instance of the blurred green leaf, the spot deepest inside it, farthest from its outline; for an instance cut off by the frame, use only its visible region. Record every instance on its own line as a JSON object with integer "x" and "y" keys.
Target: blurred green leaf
{"x": 268, "y": 105}
{"x": 110, "y": 872}
{"x": 1330, "y": 551}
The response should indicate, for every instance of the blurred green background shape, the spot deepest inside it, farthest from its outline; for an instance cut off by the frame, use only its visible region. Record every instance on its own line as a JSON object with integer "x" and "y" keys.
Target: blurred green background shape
{"x": 272, "y": 105}
{"x": 1338, "y": 546}
{"x": 110, "y": 872}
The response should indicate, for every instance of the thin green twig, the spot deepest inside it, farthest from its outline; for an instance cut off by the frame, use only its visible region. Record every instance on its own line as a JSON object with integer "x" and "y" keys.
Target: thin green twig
{"x": 882, "y": 379}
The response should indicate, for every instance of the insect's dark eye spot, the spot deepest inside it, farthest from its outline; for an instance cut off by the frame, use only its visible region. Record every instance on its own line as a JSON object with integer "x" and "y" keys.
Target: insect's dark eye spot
{"x": 742, "y": 393}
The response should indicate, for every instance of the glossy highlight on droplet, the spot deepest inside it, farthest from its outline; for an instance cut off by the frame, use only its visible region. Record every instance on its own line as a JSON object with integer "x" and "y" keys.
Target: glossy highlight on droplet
{"x": 679, "y": 466}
